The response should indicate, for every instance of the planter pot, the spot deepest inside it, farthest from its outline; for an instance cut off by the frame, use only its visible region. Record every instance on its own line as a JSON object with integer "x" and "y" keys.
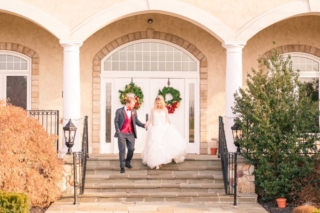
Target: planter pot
{"x": 213, "y": 151}
{"x": 281, "y": 202}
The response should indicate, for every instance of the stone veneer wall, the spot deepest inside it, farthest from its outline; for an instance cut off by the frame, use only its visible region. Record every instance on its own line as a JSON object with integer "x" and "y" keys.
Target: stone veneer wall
{"x": 245, "y": 177}
{"x": 34, "y": 68}
{"x": 297, "y": 48}
{"x": 67, "y": 182}
{"x": 148, "y": 34}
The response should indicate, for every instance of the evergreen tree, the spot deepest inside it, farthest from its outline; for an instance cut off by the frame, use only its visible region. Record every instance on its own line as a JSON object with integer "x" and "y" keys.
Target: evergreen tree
{"x": 277, "y": 115}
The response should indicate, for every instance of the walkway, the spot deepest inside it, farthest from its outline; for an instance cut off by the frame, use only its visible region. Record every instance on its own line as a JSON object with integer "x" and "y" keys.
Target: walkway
{"x": 109, "y": 207}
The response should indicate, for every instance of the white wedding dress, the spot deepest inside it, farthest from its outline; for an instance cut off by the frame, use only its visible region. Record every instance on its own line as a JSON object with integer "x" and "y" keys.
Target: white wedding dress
{"x": 163, "y": 142}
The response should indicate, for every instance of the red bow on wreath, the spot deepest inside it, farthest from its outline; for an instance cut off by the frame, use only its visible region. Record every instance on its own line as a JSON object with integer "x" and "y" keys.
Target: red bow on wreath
{"x": 137, "y": 103}
{"x": 172, "y": 108}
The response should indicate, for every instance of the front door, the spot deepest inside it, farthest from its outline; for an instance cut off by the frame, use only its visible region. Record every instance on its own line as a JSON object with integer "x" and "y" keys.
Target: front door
{"x": 150, "y": 87}
{"x": 149, "y": 64}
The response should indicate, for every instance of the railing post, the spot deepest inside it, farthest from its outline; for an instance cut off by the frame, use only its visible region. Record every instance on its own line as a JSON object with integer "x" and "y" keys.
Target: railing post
{"x": 76, "y": 155}
{"x": 57, "y": 130}
{"x": 75, "y": 181}
{"x": 84, "y": 154}
{"x": 235, "y": 179}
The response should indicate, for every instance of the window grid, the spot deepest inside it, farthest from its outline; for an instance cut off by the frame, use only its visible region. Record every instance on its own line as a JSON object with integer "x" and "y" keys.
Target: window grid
{"x": 304, "y": 64}
{"x": 10, "y": 62}
{"x": 149, "y": 56}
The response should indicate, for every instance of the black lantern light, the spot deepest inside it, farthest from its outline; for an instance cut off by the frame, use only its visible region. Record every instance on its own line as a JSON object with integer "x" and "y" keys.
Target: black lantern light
{"x": 237, "y": 134}
{"x": 69, "y": 135}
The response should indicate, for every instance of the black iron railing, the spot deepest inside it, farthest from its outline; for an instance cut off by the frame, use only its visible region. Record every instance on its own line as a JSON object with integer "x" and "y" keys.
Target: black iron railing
{"x": 84, "y": 151}
{"x": 49, "y": 119}
{"x": 228, "y": 163}
{"x": 80, "y": 162}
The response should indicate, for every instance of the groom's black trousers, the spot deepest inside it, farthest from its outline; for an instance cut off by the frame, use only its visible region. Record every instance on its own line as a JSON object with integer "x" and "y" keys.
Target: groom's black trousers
{"x": 125, "y": 140}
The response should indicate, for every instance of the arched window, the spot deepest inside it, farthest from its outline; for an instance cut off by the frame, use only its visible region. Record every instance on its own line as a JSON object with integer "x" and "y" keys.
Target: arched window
{"x": 149, "y": 56}
{"x": 308, "y": 65}
{"x": 15, "y": 78}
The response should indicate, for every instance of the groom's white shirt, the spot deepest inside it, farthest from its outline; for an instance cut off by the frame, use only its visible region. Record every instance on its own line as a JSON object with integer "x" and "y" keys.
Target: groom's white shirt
{"x": 128, "y": 112}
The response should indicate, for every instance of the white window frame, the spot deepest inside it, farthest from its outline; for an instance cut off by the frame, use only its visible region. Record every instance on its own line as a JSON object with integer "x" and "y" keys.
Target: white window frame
{"x": 26, "y": 72}
{"x": 139, "y": 74}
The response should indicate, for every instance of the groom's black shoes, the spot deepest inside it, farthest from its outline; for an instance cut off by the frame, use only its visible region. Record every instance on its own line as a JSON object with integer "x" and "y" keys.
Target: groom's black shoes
{"x": 128, "y": 166}
{"x": 122, "y": 170}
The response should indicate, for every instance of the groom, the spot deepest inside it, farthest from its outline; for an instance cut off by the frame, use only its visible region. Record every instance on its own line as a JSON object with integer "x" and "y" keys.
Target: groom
{"x": 125, "y": 124}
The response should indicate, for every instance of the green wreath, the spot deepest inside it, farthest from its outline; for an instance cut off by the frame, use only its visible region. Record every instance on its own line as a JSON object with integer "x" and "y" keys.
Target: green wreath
{"x": 138, "y": 95}
{"x": 174, "y": 103}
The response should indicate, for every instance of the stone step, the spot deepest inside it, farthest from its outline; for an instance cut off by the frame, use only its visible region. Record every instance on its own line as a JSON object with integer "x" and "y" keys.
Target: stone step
{"x": 163, "y": 168}
{"x": 154, "y": 190}
{"x": 191, "y": 160}
{"x": 197, "y": 179}
{"x": 154, "y": 187}
{"x": 138, "y": 163}
{"x": 200, "y": 170}
{"x": 183, "y": 197}
{"x": 197, "y": 174}
{"x": 159, "y": 173}
{"x": 146, "y": 180}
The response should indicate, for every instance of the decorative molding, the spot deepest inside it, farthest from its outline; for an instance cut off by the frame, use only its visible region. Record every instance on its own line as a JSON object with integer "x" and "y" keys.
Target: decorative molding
{"x": 36, "y": 15}
{"x": 314, "y": 5}
{"x": 149, "y": 34}
{"x": 185, "y": 11}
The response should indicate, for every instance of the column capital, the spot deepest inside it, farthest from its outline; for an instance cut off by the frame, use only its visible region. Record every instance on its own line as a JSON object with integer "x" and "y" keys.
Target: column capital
{"x": 234, "y": 44}
{"x": 68, "y": 43}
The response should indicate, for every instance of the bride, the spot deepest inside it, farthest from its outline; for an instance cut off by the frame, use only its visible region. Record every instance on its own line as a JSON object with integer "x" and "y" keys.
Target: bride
{"x": 163, "y": 141}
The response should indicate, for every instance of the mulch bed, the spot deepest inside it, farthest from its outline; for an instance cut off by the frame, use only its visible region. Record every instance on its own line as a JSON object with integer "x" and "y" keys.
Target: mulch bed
{"x": 272, "y": 207}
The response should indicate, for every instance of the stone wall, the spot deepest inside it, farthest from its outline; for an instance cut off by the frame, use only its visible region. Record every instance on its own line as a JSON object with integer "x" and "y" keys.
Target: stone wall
{"x": 245, "y": 176}
{"x": 67, "y": 183}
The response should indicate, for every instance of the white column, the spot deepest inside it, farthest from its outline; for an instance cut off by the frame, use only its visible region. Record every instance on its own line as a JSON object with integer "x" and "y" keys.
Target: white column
{"x": 71, "y": 90}
{"x": 233, "y": 83}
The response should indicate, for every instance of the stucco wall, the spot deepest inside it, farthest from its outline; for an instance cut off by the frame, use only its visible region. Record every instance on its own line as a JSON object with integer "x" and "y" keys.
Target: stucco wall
{"x": 207, "y": 44}
{"x": 233, "y": 13}
{"x": 73, "y": 12}
{"x": 299, "y": 30}
{"x": 18, "y": 30}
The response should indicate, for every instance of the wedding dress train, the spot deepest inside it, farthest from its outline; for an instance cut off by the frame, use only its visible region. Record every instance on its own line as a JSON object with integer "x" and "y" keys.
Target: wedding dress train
{"x": 163, "y": 142}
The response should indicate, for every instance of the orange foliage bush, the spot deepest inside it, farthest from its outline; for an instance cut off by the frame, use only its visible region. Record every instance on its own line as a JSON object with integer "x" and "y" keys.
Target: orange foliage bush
{"x": 304, "y": 209}
{"x": 28, "y": 157}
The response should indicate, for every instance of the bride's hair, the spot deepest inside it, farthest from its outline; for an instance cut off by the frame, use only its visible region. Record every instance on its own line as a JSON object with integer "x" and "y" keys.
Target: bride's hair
{"x": 161, "y": 99}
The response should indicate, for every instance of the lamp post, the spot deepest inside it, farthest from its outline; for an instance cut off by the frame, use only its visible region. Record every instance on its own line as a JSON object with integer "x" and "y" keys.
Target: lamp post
{"x": 69, "y": 135}
{"x": 237, "y": 134}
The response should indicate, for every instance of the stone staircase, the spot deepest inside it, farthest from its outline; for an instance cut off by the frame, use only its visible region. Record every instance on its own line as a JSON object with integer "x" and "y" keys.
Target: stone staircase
{"x": 197, "y": 179}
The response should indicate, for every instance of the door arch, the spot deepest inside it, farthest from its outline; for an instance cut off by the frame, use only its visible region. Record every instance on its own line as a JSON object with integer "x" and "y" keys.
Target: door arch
{"x": 180, "y": 43}
{"x": 150, "y": 64}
